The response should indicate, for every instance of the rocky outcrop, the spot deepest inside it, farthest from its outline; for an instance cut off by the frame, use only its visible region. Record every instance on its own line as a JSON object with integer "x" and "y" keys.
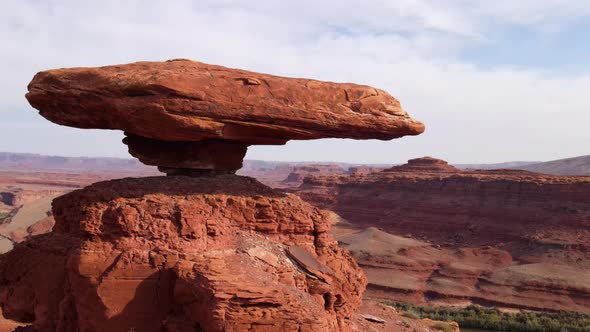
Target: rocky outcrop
{"x": 298, "y": 173}
{"x": 221, "y": 253}
{"x": 39, "y": 227}
{"x": 164, "y": 106}
{"x": 377, "y": 317}
{"x": 491, "y": 237}
{"x": 364, "y": 169}
{"x": 183, "y": 100}
{"x": 200, "y": 250}
{"x": 17, "y": 197}
{"x": 294, "y": 177}
{"x": 453, "y": 203}
{"x": 424, "y": 164}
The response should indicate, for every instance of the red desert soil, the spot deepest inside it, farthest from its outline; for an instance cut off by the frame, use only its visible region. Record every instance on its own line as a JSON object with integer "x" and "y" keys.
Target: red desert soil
{"x": 429, "y": 232}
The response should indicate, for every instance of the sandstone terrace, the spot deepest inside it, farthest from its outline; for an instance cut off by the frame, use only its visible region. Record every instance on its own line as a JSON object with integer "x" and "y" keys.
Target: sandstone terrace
{"x": 494, "y": 237}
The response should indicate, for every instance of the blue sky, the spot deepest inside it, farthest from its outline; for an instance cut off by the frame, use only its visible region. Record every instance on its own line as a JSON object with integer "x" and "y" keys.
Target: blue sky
{"x": 565, "y": 51}
{"x": 492, "y": 80}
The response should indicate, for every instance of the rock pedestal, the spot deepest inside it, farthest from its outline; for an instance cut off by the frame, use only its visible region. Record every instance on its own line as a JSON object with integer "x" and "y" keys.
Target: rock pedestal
{"x": 188, "y": 158}
{"x": 222, "y": 253}
{"x": 197, "y": 252}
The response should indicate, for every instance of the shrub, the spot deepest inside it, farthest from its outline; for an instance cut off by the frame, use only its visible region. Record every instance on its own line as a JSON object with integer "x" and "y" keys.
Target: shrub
{"x": 412, "y": 314}
{"x": 443, "y": 327}
{"x": 493, "y": 319}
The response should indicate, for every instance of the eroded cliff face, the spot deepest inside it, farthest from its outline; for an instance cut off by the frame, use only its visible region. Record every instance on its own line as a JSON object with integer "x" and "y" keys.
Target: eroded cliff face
{"x": 222, "y": 253}
{"x": 511, "y": 238}
{"x": 479, "y": 207}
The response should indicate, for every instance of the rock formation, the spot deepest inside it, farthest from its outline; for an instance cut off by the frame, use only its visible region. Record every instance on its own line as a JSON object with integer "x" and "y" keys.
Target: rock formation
{"x": 298, "y": 173}
{"x": 425, "y": 231}
{"x": 360, "y": 170}
{"x": 424, "y": 164}
{"x": 186, "y": 101}
{"x": 201, "y": 249}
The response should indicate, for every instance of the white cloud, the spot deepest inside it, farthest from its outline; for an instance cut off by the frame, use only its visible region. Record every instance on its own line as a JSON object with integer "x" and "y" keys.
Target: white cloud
{"x": 406, "y": 47}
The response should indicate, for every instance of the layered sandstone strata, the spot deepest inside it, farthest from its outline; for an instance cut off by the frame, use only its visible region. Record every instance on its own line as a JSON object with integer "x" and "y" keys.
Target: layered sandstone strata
{"x": 178, "y": 253}
{"x": 424, "y": 164}
{"x": 502, "y": 237}
{"x": 298, "y": 173}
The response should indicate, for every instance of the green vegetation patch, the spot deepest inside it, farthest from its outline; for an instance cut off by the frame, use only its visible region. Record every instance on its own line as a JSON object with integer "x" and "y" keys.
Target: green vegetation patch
{"x": 493, "y": 319}
{"x": 443, "y": 327}
{"x": 3, "y": 215}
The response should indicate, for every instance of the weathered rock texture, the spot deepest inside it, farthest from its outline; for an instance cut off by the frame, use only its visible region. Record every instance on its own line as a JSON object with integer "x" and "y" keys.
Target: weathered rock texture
{"x": 222, "y": 253}
{"x": 364, "y": 169}
{"x": 503, "y": 237}
{"x": 298, "y": 173}
{"x": 210, "y": 155}
{"x": 184, "y": 101}
{"x": 424, "y": 164}
{"x": 198, "y": 253}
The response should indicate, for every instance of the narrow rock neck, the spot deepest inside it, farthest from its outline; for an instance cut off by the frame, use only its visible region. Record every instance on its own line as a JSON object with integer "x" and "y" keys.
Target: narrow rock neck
{"x": 200, "y": 158}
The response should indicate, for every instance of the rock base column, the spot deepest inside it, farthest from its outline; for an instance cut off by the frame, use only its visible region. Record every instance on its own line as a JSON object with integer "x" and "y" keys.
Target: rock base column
{"x": 208, "y": 157}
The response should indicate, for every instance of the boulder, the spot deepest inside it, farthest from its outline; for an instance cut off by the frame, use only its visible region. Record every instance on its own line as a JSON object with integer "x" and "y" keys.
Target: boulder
{"x": 183, "y": 100}
{"x": 164, "y": 107}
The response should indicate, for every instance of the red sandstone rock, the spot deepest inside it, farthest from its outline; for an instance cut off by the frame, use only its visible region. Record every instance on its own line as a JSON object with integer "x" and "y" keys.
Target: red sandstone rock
{"x": 182, "y": 254}
{"x": 513, "y": 238}
{"x": 41, "y": 227}
{"x": 389, "y": 319}
{"x": 359, "y": 170}
{"x": 170, "y": 104}
{"x": 211, "y": 155}
{"x": 298, "y": 173}
{"x": 183, "y": 100}
{"x": 293, "y": 177}
{"x": 424, "y": 164}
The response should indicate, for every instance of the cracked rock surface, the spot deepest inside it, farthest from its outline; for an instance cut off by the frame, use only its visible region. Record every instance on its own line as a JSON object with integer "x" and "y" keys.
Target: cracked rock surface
{"x": 182, "y": 254}
{"x": 183, "y": 100}
{"x": 182, "y": 115}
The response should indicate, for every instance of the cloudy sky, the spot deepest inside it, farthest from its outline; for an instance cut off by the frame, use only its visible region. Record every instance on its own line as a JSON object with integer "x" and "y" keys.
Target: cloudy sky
{"x": 493, "y": 81}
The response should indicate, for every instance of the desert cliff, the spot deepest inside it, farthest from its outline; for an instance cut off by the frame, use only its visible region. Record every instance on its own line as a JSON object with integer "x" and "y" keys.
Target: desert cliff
{"x": 427, "y": 232}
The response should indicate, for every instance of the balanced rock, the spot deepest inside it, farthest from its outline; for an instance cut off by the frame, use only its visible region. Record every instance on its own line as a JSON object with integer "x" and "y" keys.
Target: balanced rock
{"x": 222, "y": 253}
{"x": 188, "y": 101}
{"x": 197, "y": 252}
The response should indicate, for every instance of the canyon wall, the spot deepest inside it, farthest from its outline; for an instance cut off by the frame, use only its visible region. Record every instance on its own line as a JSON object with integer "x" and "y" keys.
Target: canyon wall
{"x": 505, "y": 237}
